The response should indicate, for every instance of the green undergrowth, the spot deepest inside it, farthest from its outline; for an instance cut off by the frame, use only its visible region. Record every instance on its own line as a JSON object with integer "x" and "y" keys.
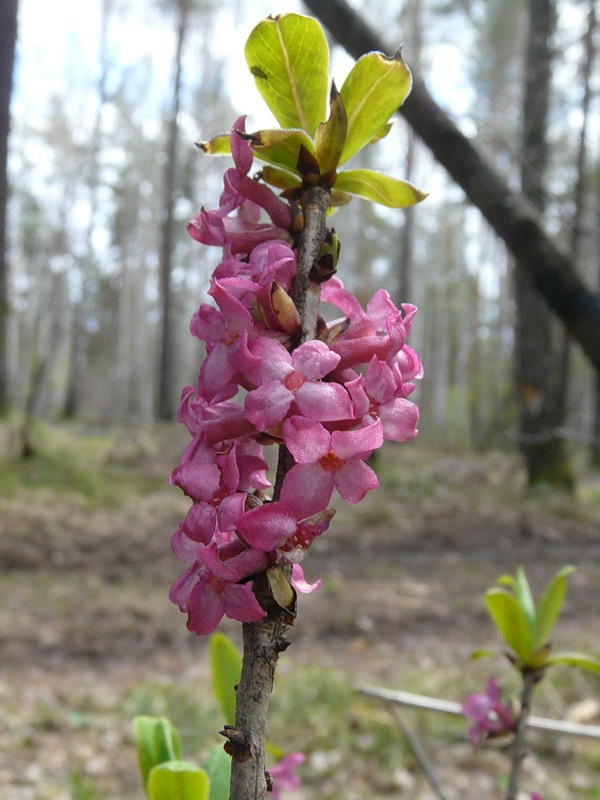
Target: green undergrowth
{"x": 103, "y": 466}
{"x": 353, "y": 745}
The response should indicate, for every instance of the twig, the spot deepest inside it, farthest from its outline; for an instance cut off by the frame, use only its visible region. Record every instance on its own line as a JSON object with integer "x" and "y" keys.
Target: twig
{"x": 530, "y": 678}
{"x": 419, "y": 753}
{"x": 451, "y": 707}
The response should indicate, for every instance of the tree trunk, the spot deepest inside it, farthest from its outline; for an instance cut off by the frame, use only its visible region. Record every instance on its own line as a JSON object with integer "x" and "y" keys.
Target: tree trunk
{"x": 513, "y": 218}
{"x": 595, "y": 455}
{"x": 8, "y": 38}
{"x": 167, "y": 360}
{"x": 414, "y": 24}
{"x": 576, "y": 238}
{"x": 537, "y": 364}
{"x": 87, "y": 264}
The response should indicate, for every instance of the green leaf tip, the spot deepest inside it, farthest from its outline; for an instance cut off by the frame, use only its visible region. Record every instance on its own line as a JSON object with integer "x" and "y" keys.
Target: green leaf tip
{"x": 525, "y": 627}
{"x": 157, "y": 742}
{"x": 379, "y": 188}
{"x": 288, "y": 56}
{"x": 178, "y": 780}
{"x": 374, "y": 89}
{"x": 226, "y": 668}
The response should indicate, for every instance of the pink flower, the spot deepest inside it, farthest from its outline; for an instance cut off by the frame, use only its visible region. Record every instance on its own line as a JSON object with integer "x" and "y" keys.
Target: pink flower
{"x": 299, "y": 582}
{"x": 379, "y": 395}
{"x": 331, "y": 400}
{"x": 243, "y": 232}
{"x": 380, "y": 331}
{"x": 273, "y": 526}
{"x": 491, "y": 718}
{"x": 325, "y": 461}
{"x": 283, "y": 378}
{"x": 283, "y": 774}
{"x": 210, "y": 588}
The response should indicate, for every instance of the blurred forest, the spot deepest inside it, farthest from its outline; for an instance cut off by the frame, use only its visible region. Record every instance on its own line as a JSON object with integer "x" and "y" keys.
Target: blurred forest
{"x": 99, "y": 278}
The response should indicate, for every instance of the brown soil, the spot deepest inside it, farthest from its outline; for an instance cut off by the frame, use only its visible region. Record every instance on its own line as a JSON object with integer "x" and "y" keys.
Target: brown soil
{"x": 84, "y": 614}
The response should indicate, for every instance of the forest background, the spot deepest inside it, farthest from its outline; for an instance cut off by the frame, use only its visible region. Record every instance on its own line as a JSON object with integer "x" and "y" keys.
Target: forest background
{"x": 103, "y": 174}
{"x": 98, "y": 282}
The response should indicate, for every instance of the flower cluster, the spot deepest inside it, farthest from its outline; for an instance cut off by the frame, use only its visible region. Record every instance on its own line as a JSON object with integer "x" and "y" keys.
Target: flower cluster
{"x": 331, "y": 401}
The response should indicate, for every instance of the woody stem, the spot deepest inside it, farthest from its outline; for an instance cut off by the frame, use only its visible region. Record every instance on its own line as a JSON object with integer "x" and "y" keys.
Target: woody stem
{"x": 264, "y": 640}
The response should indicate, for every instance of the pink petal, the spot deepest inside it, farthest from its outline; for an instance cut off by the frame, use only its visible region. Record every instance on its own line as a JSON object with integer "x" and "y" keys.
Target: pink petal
{"x": 273, "y": 360}
{"x": 199, "y": 523}
{"x": 267, "y": 526}
{"x": 268, "y": 405}
{"x": 239, "y": 602}
{"x": 196, "y": 479}
{"x": 240, "y": 148}
{"x": 379, "y": 381}
{"x": 204, "y": 608}
{"x": 325, "y": 402}
{"x": 314, "y": 360}
{"x": 182, "y": 586}
{"x": 299, "y": 582}
{"x": 359, "y": 443}
{"x": 399, "y": 418}
{"x": 307, "y": 489}
{"x": 354, "y": 480}
{"x": 306, "y": 440}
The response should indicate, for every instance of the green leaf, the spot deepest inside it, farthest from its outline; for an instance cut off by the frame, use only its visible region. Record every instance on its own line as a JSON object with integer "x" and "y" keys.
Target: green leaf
{"x": 218, "y": 768}
{"x": 575, "y": 660}
{"x": 289, "y": 58}
{"x": 331, "y": 135}
{"x": 281, "y": 147}
{"x": 178, "y": 780}
{"x": 379, "y": 188}
{"x": 339, "y": 198}
{"x": 375, "y": 87}
{"x": 382, "y": 133}
{"x": 218, "y": 146}
{"x": 280, "y": 178}
{"x": 524, "y": 596}
{"x": 549, "y": 606}
{"x": 226, "y": 668}
{"x": 484, "y": 652}
{"x": 509, "y": 619}
{"x": 157, "y": 741}
{"x": 506, "y": 580}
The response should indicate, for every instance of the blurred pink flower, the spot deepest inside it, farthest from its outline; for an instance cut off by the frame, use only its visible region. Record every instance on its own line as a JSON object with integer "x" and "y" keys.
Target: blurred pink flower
{"x": 283, "y": 774}
{"x": 491, "y": 717}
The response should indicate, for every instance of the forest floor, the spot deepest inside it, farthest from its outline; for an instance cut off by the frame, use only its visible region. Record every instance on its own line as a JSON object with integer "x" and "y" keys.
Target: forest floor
{"x": 88, "y": 637}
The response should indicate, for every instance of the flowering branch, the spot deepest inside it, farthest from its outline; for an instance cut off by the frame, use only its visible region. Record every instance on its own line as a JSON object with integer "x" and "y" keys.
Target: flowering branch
{"x": 327, "y": 393}
{"x": 264, "y": 640}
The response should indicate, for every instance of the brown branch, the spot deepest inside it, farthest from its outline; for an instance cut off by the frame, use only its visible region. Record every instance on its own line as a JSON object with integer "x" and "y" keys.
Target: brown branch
{"x": 530, "y": 678}
{"x": 510, "y": 214}
{"x": 263, "y": 641}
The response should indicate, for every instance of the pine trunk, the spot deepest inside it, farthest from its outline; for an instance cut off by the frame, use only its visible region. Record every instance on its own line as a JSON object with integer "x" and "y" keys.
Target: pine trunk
{"x": 8, "y": 38}
{"x": 537, "y": 364}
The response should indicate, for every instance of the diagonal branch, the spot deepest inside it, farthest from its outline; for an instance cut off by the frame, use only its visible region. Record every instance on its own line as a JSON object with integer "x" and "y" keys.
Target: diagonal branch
{"x": 509, "y": 213}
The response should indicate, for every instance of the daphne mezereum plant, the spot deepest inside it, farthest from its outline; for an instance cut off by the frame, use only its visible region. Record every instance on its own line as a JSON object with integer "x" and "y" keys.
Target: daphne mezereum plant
{"x": 526, "y": 628}
{"x": 327, "y": 394}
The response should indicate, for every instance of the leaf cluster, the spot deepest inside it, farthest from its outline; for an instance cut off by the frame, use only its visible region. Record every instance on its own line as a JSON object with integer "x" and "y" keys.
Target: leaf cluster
{"x": 526, "y": 627}
{"x": 288, "y": 56}
{"x": 165, "y": 775}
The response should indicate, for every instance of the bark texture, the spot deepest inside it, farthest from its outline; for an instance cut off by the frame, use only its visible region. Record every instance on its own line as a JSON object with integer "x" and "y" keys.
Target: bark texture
{"x": 538, "y": 375}
{"x": 510, "y": 214}
{"x": 8, "y": 38}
